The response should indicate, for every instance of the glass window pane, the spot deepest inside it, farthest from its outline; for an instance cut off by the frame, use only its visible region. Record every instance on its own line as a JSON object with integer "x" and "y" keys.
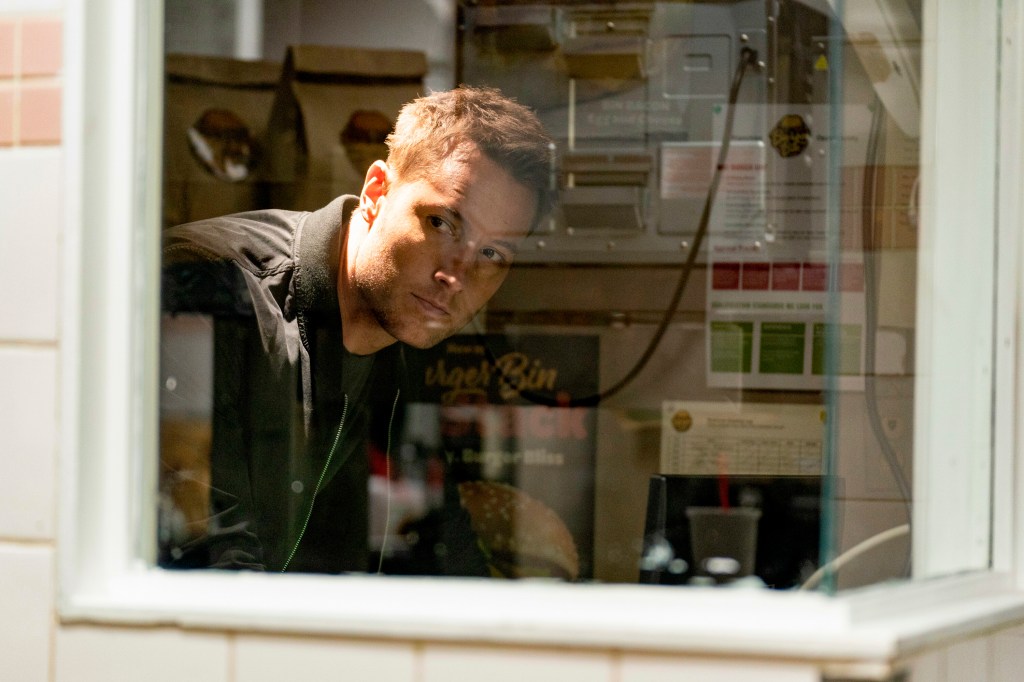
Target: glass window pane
{"x": 707, "y": 365}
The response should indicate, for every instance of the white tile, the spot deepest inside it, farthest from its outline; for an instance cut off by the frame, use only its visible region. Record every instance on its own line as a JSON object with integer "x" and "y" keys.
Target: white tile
{"x": 100, "y": 654}
{"x": 969, "y": 660}
{"x": 1008, "y": 655}
{"x": 26, "y": 612}
{"x": 651, "y": 668}
{"x": 270, "y": 659}
{"x": 28, "y": 421}
{"x": 30, "y": 5}
{"x": 31, "y": 186}
{"x": 443, "y": 663}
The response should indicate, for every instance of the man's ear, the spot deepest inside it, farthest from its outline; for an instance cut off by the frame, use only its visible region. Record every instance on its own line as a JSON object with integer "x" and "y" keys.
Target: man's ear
{"x": 375, "y": 187}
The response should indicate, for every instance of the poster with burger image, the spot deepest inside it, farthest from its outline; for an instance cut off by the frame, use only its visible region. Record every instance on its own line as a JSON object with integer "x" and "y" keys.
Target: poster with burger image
{"x": 516, "y": 455}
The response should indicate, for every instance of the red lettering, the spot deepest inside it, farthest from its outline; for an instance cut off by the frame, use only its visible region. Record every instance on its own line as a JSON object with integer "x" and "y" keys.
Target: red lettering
{"x": 540, "y": 423}
{"x": 571, "y": 423}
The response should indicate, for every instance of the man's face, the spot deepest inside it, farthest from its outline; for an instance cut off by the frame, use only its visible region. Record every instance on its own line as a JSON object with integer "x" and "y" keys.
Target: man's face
{"x": 440, "y": 247}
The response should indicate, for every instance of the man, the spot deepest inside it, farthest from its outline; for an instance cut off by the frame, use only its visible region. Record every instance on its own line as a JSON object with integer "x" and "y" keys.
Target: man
{"x": 307, "y": 310}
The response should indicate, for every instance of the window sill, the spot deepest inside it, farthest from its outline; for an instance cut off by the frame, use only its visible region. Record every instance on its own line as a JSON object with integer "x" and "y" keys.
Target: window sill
{"x": 875, "y": 627}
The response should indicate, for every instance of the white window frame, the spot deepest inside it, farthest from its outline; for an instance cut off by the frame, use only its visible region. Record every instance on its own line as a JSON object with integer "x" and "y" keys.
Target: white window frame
{"x": 109, "y": 351}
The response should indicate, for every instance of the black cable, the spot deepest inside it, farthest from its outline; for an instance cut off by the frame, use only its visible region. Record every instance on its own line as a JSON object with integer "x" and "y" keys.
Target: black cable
{"x": 748, "y": 57}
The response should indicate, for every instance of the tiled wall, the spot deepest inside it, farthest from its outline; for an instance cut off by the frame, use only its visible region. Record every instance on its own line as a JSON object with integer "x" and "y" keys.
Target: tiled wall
{"x": 87, "y": 654}
{"x": 30, "y": 88}
{"x": 34, "y": 647}
{"x": 30, "y": 219}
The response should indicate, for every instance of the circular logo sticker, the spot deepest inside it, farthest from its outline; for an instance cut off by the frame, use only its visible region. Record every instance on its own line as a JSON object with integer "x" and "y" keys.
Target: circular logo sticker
{"x": 790, "y": 135}
{"x": 682, "y": 421}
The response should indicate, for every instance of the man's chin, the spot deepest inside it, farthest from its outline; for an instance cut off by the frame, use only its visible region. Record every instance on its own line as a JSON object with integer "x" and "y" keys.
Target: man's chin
{"x": 423, "y": 339}
{"x": 421, "y": 333}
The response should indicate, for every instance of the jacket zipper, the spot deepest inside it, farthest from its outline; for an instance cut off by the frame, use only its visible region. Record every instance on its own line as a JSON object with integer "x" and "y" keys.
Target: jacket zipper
{"x": 327, "y": 464}
{"x": 387, "y": 485}
{"x": 330, "y": 455}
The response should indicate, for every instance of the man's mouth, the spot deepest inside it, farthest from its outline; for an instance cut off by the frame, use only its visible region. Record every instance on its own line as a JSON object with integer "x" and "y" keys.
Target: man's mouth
{"x": 431, "y": 308}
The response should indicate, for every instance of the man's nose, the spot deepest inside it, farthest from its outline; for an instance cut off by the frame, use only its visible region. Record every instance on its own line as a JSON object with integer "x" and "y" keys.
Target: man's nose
{"x": 454, "y": 269}
{"x": 449, "y": 279}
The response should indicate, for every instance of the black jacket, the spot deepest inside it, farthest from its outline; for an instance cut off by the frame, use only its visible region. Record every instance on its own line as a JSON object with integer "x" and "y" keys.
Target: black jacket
{"x": 291, "y": 407}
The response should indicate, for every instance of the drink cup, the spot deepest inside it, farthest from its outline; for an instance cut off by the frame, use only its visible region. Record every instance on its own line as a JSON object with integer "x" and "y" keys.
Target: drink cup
{"x": 723, "y": 540}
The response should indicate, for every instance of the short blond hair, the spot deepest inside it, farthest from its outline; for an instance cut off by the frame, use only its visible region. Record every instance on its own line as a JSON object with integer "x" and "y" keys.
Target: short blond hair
{"x": 442, "y": 125}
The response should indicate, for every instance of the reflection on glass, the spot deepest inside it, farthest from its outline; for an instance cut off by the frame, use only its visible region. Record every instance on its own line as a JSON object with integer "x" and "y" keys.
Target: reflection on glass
{"x": 716, "y": 323}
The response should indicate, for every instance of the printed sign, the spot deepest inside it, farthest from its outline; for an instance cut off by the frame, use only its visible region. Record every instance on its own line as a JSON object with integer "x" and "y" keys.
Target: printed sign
{"x": 731, "y": 439}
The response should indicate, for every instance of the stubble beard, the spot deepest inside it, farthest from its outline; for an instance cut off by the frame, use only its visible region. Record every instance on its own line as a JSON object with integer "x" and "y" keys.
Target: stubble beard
{"x": 413, "y": 332}
{"x": 379, "y": 296}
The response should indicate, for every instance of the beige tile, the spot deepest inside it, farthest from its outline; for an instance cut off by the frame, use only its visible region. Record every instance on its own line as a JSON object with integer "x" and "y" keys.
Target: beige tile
{"x": 929, "y": 667}
{"x": 7, "y": 31}
{"x": 102, "y": 654}
{"x": 650, "y": 668}
{"x": 269, "y": 659}
{"x": 970, "y": 660}
{"x": 29, "y": 225}
{"x": 444, "y": 663}
{"x": 6, "y": 116}
{"x": 28, "y": 422}
{"x": 1008, "y": 655}
{"x": 41, "y": 47}
{"x": 40, "y": 115}
{"x": 26, "y": 612}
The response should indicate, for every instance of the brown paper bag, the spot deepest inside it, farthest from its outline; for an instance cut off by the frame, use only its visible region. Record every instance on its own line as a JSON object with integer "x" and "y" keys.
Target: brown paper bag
{"x": 333, "y": 110}
{"x": 215, "y": 112}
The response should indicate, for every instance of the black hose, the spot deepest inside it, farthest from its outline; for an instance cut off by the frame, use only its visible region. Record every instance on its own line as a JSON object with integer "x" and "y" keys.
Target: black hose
{"x": 748, "y": 57}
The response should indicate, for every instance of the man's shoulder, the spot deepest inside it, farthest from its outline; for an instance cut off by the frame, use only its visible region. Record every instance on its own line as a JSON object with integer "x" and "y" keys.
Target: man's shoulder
{"x": 270, "y": 246}
{"x": 206, "y": 263}
{"x": 256, "y": 240}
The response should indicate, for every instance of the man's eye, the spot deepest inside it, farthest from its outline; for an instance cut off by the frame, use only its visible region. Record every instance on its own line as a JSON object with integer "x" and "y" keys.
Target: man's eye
{"x": 493, "y": 255}
{"x": 439, "y": 223}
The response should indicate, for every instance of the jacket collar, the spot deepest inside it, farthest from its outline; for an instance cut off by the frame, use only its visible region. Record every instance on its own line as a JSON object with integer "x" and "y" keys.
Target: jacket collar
{"x": 317, "y": 253}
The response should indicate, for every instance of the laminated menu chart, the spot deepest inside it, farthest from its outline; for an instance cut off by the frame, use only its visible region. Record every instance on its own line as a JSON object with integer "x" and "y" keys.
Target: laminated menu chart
{"x": 713, "y": 438}
{"x": 785, "y": 305}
